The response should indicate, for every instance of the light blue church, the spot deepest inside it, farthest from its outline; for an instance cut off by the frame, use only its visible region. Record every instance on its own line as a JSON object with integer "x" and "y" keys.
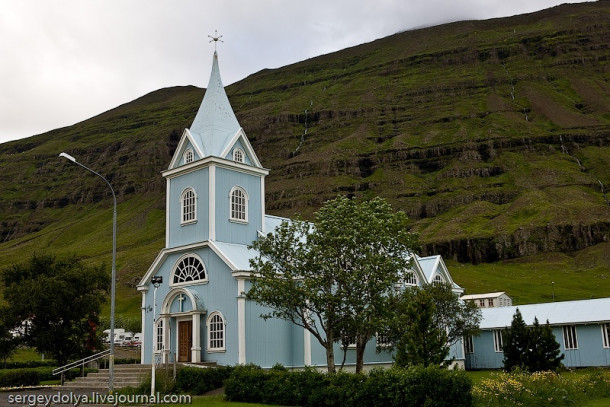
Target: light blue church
{"x": 215, "y": 208}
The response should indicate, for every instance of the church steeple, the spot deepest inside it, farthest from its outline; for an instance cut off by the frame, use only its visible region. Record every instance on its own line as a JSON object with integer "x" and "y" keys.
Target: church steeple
{"x": 215, "y": 124}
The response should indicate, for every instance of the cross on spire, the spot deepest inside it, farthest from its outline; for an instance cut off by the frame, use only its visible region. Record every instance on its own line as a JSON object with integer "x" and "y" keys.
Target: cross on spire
{"x": 215, "y": 38}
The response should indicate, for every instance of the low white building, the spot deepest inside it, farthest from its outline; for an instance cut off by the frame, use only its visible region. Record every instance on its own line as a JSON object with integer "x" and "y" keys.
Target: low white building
{"x": 489, "y": 300}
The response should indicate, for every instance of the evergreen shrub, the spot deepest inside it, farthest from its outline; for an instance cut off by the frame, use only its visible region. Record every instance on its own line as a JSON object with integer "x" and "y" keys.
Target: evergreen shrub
{"x": 413, "y": 386}
{"x": 196, "y": 381}
{"x": 19, "y": 377}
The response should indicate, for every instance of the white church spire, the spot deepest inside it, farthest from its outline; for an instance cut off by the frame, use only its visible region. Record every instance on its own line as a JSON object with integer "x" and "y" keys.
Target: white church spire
{"x": 215, "y": 124}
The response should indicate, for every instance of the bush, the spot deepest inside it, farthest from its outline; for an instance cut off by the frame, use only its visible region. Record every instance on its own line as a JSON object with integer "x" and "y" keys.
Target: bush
{"x": 414, "y": 386}
{"x": 19, "y": 377}
{"x": 196, "y": 381}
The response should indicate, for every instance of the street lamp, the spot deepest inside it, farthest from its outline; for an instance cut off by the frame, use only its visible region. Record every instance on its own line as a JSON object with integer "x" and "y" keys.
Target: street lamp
{"x": 113, "y": 282}
{"x": 156, "y": 281}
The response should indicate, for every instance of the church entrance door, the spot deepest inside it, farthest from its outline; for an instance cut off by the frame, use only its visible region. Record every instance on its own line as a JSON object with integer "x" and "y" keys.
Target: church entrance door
{"x": 185, "y": 340}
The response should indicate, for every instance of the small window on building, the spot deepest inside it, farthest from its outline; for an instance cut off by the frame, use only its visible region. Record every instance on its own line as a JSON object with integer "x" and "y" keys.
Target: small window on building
{"x": 481, "y": 303}
{"x": 490, "y": 302}
{"x": 468, "y": 344}
{"x": 383, "y": 341}
{"x": 216, "y": 332}
{"x": 606, "y": 335}
{"x": 188, "y": 203}
{"x": 188, "y": 156}
{"x": 159, "y": 336}
{"x": 569, "y": 337}
{"x": 238, "y": 155}
{"x": 410, "y": 278}
{"x": 438, "y": 279}
{"x": 498, "y": 340}
{"x": 239, "y": 204}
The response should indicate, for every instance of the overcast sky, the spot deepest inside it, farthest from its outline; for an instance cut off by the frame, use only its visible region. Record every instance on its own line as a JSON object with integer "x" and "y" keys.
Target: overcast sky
{"x": 62, "y": 62}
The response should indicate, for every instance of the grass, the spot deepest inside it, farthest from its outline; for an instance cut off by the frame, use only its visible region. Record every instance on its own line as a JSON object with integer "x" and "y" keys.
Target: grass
{"x": 217, "y": 401}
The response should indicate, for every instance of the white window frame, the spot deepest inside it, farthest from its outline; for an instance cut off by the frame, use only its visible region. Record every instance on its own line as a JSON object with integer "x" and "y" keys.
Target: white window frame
{"x": 498, "y": 340}
{"x": 410, "y": 278}
{"x": 189, "y": 156}
{"x": 382, "y": 341}
{"x": 232, "y": 212}
{"x": 192, "y": 206}
{"x": 490, "y": 302}
{"x": 159, "y": 335}
{"x": 203, "y": 280}
{"x": 468, "y": 344}
{"x": 213, "y": 342}
{"x": 605, "y": 335}
{"x": 438, "y": 279}
{"x": 481, "y": 303}
{"x": 239, "y": 155}
{"x": 570, "y": 337}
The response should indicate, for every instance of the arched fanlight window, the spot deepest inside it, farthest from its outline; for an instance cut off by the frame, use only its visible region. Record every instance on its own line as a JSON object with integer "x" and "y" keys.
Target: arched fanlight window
{"x": 238, "y": 155}
{"x": 188, "y": 205}
{"x": 216, "y": 332}
{"x": 189, "y": 269}
{"x": 410, "y": 278}
{"x": 239, "y": 204}
{"x": 188, "y": 156}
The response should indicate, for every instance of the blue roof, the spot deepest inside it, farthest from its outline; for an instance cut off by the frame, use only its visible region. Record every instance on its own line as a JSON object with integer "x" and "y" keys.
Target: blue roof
{"x": 557, "y": 313}
{"x": 215, "y": 124}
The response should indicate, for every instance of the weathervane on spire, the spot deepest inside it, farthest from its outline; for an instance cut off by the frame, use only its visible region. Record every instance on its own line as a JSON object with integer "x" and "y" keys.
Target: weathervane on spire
{"x": 215, "y": 38}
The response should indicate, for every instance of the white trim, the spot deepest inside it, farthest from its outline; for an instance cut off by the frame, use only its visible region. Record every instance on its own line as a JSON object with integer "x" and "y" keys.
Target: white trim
{"x": 185, "y": 155}
{"x": 306, "y": 347}
{"x": 168, "y": 209}
{"x": 262, "y": 180}
{"x": 169, "y": 299}
{"x": 208, "y": 321}
{"x": 241, "y": 321}
{"x": 239, "y": 150}
{"x": 143, "y": 328}
{"x": 221, "y": 162}
{"x": 188, "y": 283}
{"x": 571, "y": 339}
{"x": 212, "y": 203}
{"x": 246, "y": 204}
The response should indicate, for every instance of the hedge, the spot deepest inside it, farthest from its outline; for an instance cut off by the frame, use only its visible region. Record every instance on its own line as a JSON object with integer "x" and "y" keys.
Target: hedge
{"x": 19, "y": 377}
{"x": 414, "y": 386}
{"x": 196, "y": 381}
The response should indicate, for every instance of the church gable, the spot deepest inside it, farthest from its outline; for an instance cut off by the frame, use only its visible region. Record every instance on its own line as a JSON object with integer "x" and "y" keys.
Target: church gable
{"x": 187, "y": 151}
{"x": 239, "y": 149}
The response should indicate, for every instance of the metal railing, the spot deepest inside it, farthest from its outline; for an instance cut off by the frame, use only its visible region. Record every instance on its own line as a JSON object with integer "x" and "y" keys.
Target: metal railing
{"x": 81, "y": 362}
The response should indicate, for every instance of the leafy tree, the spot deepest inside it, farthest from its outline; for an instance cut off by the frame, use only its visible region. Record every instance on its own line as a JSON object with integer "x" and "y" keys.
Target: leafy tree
{"x": 335, "y": 278}
{"x": 8, "y": 343}
{"x": 515, "y": 343}
{"x": 427, "y": 322}
{"x": 61, "y": 299}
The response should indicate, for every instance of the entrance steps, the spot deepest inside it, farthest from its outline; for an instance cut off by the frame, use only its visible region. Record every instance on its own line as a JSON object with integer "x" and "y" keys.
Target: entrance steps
{"x": 124, "y": 376}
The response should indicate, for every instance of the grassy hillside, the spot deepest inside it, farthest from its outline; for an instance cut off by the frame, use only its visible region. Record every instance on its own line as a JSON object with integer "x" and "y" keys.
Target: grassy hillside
{"x": 493, "y": 136}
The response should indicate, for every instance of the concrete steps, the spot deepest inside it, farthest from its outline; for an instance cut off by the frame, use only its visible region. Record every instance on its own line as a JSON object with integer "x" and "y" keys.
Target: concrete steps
{"x": 124, "y": 376}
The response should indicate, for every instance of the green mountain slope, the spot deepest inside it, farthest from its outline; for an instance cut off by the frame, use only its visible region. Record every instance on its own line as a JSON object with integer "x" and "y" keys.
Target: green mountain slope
{"x": 493, "y": 136}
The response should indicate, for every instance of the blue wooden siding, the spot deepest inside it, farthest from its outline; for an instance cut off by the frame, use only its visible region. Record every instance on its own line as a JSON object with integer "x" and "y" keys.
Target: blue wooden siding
{"x": 239, "y": 144}
{"x": 236, "y": 232}
{"x": 180, "y": 235}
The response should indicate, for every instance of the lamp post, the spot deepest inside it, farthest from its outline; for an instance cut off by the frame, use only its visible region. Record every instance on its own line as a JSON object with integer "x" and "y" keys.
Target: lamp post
{"x": 553, "y": 289}
{"x": 113, "y": 276}
{"x": 156, "y": 282}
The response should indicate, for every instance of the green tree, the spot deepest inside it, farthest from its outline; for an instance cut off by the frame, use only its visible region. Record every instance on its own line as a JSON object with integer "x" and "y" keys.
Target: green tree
{"x": 61, "y": 299}
{"x": 427, "y": 322}
{"x": 515, "y": 343}
{"x": 336, "y": 277}
{"x": 8, "y": 343}
{"x": 544, "y": 352}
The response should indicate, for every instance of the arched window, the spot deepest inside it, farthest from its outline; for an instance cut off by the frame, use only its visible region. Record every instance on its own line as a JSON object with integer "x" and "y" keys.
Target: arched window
{"x": 189, "y": 269}
{"x": 188, "y": 156}
{"x": 239, "y": 204}
{"x": 438, "y": 279}
{"x": 238, "y": 155}
{"x": 188, "y": 201}
{"x": 216, "y": 332}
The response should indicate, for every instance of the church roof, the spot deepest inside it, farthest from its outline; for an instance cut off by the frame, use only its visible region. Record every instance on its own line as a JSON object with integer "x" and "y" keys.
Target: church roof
{"x": 557, "y": 313}
{"x": 215, "y": 124}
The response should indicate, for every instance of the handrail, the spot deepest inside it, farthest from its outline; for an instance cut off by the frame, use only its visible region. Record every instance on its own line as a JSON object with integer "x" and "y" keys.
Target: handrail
{"x": 81, "y": 362}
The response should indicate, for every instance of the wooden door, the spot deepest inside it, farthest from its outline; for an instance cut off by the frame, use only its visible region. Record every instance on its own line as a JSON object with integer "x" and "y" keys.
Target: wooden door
{"x": 185, "y": 340}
